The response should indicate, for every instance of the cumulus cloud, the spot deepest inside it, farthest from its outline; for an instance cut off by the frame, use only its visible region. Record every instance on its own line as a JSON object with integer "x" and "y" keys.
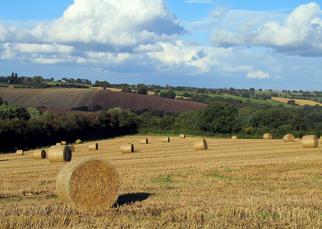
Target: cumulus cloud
{"x": 180, "y": 54}
{"x": 257, "y": 74}
{"x": 113, "y": 22}
{"x": 122, "y": 35}
{"x": 42, "y": 48}
{"x": 3, "y": 33}
{"x": 299, "y": 34}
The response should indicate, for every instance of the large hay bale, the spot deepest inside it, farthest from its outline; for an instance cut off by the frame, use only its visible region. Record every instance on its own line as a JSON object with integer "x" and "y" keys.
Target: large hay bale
{"x": 20, "y": 153}
{"x": 289, "y": 138}
{"x": 167, "y": 139}
{"x": 144, "y": 141}
{"x": 39, "y": 154}
{"x": 63, "y": 143}
{"x": 128, "y": 148}
{"x": 310, "y": 141}
{"x": 78, "y": 141}
{"x": 93, "y": 146}
{"x": 182, "y": 136}
{"x": 72, "y": 147}
{"x": 297, "y": 139}
{"x": 58, "y": 144}
{"x": 88, "y": 184}
{"x": 59, "y": 154}
{"x": 201, "y": 145}
{"x": 234, "y": 137}
{"x": 267, "y": 136}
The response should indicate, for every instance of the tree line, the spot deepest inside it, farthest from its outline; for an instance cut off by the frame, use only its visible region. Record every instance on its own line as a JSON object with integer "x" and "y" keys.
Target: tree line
{"x": 29, "y": 127}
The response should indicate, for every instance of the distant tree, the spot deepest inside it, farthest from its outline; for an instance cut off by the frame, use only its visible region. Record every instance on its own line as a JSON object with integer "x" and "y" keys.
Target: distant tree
{"x": 219, "y": 118}
{"x": 13, "y": 112}
{"x": 103, "y": 84}
{"x": 291, "y": 102}
{"x": 126, "y": 88}
{"x": 245, "y": 94}
{"x": 37, "y": 82}
{"x": 249, "y": 130}
{"x": 142, "y": 89}
{"x": 168, "y": 94}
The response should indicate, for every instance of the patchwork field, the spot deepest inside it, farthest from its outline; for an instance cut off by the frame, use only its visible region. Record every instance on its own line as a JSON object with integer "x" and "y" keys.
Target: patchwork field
{"x": 67, "y": 99}
{"x": 300, "y": 102}
{"x": 234, "y": 184}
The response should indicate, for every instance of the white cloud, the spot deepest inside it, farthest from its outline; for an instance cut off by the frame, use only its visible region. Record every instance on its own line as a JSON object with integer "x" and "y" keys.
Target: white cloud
{"x": 181, "y": 54}
{"x": 257, "y": 74}
{"x": 42, "y": 48}
{"x": 299, "y": 34}
{"x": 3, "y": 33}
{"x": 112, "y": 22}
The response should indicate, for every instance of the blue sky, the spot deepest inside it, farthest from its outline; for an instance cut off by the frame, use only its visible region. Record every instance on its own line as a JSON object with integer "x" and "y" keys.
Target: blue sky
{"x": 242, "y": 44}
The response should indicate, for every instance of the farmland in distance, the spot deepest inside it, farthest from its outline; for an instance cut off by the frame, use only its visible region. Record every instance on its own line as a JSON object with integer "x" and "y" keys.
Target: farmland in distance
{"x": 67, "y": 99}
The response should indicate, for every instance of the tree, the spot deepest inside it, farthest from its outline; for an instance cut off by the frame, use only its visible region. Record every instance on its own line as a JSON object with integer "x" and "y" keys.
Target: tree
{"x": 291, "y": 102}
{"x": 168, "y": 94}
{"x": 142, "y": 89}
{"x": 219, "y": 117}
{"x": 126, "y": 88}
{"x": 103, "y": 84}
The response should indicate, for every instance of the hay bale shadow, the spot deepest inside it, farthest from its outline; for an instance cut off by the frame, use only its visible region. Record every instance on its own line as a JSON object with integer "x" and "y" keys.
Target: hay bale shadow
{"x": 131, "y": 198}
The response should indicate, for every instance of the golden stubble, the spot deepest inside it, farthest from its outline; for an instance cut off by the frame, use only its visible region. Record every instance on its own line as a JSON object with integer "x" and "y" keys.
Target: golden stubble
{"x": 233, "y": 184}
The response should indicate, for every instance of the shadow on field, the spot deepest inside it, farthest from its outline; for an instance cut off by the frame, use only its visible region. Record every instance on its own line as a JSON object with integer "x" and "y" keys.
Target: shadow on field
{"x": 131, "y": 198}
{"x": 4, "y": 160}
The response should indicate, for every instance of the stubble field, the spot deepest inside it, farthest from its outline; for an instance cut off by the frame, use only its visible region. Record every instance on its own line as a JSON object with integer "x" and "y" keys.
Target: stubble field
{"x": 234, "y": 184}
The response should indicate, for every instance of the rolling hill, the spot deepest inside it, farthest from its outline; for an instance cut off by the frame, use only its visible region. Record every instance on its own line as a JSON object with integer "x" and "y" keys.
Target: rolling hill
{"x": 300, "y": 102}
{"x": 68, "y": 99}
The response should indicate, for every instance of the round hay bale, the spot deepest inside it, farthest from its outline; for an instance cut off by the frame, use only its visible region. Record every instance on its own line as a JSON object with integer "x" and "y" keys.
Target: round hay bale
{"x": 267, "y": 136}
{"x": 289, "y": 138}
{"x": 88, "y": 184}
{"x": 202, "y": 145}
{"x": 297, "y": 139}
{"x": 144, "y": 141}
{"x": 78, "y": 141}
{"x": 59, "y": 154}
{"x": 182, "y": 136}
{"x": 128, "y": 148}
{"x": 63, "y": 143}
{"x": 20, "y": 153}
{"x": 167, "y": 139}
{"x": 310, "y": 141}
{"x": 39, "y": 154}
{"x": 58, "y": 144}
{"x": 93, "y": 146}
{"x": 72, "y": 147}
{"x": 234, "y": 137}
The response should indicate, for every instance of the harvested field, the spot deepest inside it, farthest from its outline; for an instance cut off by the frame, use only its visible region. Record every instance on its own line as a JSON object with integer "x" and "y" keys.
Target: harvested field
{"x": 234, "y": 184}
{"x": 300, "y": 102}
{"x": 67, "y": 99}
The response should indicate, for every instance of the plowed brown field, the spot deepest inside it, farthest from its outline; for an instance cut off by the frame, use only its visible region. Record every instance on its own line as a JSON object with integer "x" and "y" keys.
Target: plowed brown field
{"x": 66, "y": 99}
{"x": 234, "y": 184}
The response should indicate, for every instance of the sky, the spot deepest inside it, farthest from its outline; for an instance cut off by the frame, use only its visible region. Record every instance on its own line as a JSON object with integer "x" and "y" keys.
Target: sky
{"x": 202, "y": 43}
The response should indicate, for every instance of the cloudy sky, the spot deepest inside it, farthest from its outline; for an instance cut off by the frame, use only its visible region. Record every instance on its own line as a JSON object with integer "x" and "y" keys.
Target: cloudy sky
{"x": 205, "y": 43}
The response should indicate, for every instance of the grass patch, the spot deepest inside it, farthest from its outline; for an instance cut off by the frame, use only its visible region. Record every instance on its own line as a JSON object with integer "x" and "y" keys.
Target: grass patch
{"x": 163, "y": 180}
{"x": 268, "y": 215}
{"x": 318, "y": 178}
{"x": 218, "y": 175}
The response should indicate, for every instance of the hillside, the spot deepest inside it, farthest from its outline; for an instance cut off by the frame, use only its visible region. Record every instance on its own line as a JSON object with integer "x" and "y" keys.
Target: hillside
{"x": 300, "y": 102}
{"x": 68, "y": 99}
